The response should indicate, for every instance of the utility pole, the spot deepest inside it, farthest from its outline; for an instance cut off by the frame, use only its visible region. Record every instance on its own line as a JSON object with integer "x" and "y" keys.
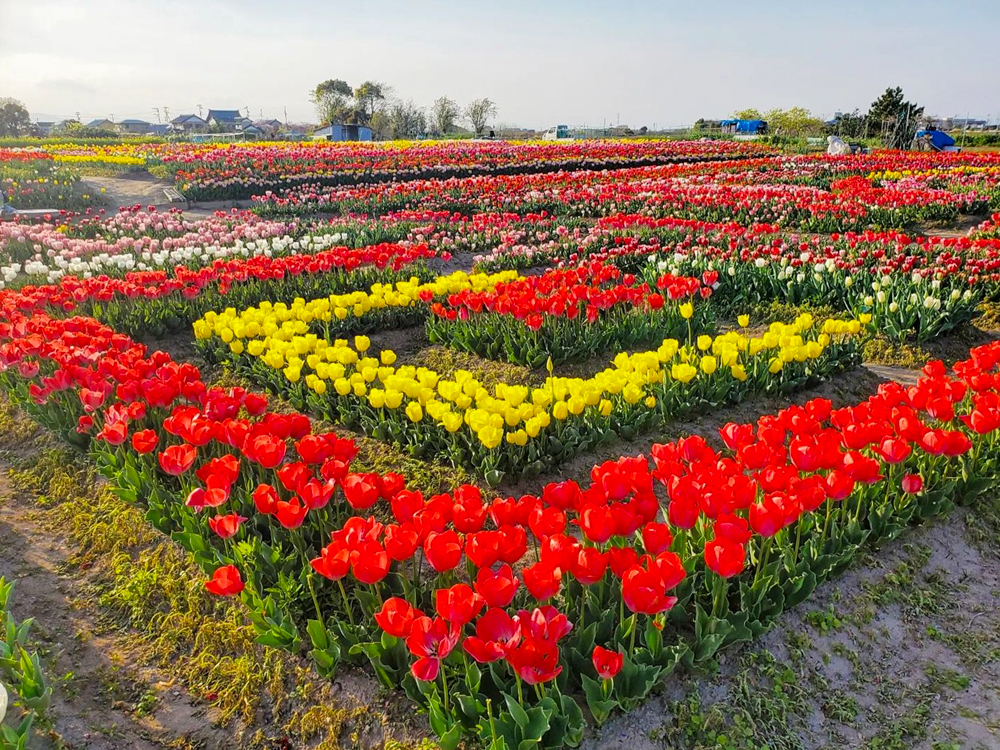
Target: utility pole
{"x": 157, "y": 110}
{"x": 199, "y": 110}
{"x": 286, "y": 115}
{"x": 166, "y": 114}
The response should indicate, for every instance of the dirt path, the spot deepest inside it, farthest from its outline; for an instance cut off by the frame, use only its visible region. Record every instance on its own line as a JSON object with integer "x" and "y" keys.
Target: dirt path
{"x": 102, "y": 699}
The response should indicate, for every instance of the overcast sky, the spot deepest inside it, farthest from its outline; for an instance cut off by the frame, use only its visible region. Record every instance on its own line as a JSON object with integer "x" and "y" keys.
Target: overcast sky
{"x": 543, "y": 62}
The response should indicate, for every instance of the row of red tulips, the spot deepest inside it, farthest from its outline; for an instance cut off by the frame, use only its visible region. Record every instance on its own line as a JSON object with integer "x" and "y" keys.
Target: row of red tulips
{"x": 570, "y": 314}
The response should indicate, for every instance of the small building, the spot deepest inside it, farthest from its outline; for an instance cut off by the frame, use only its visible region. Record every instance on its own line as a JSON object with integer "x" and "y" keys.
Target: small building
{"x": 225, "y": 119}
{"x": 744, "y": 127}
{"x": 44, "y": 129}
{"x": 157, "y": 129}
{"x": 134, "y": 127}
{"x": 187, "y": 124}
{"x": 269, "y": 128}
{"x": 102, "y": 124}
{"x": 341, "y": 132}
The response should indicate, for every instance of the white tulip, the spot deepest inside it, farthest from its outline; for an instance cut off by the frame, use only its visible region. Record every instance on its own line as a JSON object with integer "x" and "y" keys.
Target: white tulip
{"x": 3, "y": 702}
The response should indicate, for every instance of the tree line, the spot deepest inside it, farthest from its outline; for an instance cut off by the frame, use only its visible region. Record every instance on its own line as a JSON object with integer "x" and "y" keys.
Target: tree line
{"x": 374, "y": 104}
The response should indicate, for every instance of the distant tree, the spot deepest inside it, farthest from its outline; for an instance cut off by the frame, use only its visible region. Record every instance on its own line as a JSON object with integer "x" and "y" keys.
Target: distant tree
{"x": 893, "y": 119}
{"x": 368, "y": 98}
{"x": 793, "y": 121}
{"x": 76, "y": 129}
{"x": 406, "y": 120}
{"x": 643, "y": 130}
{"x": 333, "y": 101}
{"x": 849, "y": 125}
{"x": 748, "y": 114}
{"x": 479, "y": 112}
{"x": 14, "y": 118}
{"x": 444, "y": 115}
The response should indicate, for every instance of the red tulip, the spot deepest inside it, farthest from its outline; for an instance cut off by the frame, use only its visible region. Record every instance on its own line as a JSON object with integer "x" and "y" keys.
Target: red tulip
{"x": 226, "y": 526}
{"x": 644, "y": 591}
{"x": 535, "y": 661}
{"x": 397, "y": 617}
{"x": 372, "y": 564}
{"x": 334, "y": 562}
{"x": 542, "y": 580}
{"x": 656, "y": 537}
{"x": 497, "y": 588}
{"x": 607, "y": 663}
{"x": 912, "y": 484}
{"x": 496, "y": 634}
{"x": 177, "y": 459}
{"x": 443, "y": 550}
{"x": 144, "y": 441}
{"x": 725, "y": 558}
{"x": 265, "y": 499}
{"x": 590, "y": 565}
{"x": 458, "y": 604}
{"x": 226, "y": 581}
{"x": 431, "y": 641}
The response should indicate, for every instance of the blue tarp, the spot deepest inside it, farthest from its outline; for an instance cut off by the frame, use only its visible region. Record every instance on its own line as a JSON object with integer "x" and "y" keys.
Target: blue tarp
{"x": 938, "y": 138}
{"x": 745, "y": 126}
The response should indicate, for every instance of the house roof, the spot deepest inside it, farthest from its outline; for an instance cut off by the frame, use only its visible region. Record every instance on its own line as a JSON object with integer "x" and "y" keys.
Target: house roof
{"x": 134, "y": 122}
{"x": 224, "y": 114}
{"x": 184, "y": 119}
{"x": 98, "y": 123}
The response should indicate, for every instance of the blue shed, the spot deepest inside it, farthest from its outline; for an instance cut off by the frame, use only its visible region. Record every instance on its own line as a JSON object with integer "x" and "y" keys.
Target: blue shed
{"x": 939, "y": 138}
{"x": 340, "y": 132}
{"x": 744, "y": 127}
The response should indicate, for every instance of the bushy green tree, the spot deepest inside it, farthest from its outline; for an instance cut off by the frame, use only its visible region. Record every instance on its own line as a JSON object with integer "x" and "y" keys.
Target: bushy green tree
{"x": 14, "y": 118}
{"x": 893, "y": 119}
{"x": 333, "y": 100}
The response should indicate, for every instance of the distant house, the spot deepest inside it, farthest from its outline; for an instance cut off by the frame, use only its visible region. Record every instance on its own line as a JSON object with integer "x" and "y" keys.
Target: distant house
{"x": 225, "y": 119}
{"x": 341, "y": 132}
{"x": 157, "y": 129}
{"x": 251, "y": 131}
{"x": 135, "y": 127}
{"x": 268, "y": 127}
{"x": 102, "y": 124}
{"x": 44, "y": 129}
{"x": 187, "y": 124}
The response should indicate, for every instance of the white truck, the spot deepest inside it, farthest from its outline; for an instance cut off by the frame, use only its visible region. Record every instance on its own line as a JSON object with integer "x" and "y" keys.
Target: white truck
{"x": 557, "y": 133}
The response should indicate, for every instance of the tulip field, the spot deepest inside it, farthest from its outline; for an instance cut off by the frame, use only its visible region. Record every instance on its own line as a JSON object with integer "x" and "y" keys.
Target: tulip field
{"x": 508, "y": 313}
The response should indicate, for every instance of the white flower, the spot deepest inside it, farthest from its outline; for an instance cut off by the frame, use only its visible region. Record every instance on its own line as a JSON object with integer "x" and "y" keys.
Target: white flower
{"x": 880, "y": 297}
{"x": 893, "y": 307}
{"x": 3, "y": 702}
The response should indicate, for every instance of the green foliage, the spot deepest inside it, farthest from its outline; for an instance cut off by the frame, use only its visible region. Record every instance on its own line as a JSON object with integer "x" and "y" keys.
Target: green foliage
{"x": 14, "y": 118}
{"x": 893, "y": 119}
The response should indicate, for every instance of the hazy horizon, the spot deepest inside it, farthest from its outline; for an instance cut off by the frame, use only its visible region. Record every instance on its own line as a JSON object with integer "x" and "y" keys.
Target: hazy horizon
{"x": 641, "y": 63}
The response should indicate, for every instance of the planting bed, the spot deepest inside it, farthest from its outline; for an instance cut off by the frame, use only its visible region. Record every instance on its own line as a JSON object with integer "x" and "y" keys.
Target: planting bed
{"x": 526, "y": 447}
